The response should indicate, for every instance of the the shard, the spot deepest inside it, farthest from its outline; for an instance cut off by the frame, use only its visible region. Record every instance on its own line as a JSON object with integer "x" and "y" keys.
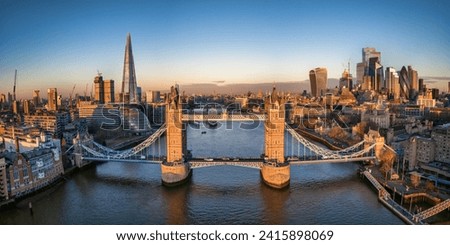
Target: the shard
{"x": 129, "y": 85}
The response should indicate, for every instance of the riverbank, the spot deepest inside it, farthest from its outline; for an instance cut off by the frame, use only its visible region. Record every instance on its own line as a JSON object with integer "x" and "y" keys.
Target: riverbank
{"x": 11, "y": 203}
{"x": 418, "y": 205}
{"x": 385, "y": 198}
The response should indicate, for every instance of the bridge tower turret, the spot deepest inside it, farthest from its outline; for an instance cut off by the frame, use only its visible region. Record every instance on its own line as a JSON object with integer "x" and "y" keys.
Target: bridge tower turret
{"x": 275, "y": 170}
{"x": 175, "y": 170}
{"x": 374, "y": 137}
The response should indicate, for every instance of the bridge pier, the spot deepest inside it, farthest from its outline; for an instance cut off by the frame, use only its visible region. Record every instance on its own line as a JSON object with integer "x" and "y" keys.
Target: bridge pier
{"x": 175, "y": 170}
{"x": 276, "y": 175}
{"x": 177, "y": 173}
{"x": 275, "y": 172}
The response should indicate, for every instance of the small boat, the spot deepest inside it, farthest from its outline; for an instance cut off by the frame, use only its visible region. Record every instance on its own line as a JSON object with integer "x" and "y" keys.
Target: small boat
{"x": 209, "y": 159}
{"x": 212, "y": 123}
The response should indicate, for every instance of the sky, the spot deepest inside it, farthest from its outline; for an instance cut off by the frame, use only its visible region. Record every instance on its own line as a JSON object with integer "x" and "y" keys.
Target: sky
{"x": 63, "y": 43}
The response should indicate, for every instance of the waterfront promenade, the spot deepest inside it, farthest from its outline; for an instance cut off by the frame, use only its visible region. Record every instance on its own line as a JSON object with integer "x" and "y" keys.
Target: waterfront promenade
{"x": 385, "y": 198}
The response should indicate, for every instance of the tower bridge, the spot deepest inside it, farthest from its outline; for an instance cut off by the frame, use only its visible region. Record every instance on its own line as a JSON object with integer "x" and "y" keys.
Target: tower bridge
{"x": 274, "y": 164}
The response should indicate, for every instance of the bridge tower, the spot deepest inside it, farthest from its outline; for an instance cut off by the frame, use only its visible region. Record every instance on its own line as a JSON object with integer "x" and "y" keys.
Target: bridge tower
{"x": 275, "y": 170}
{"x": 175, "y": 170}
{"x": 374, "y": 137}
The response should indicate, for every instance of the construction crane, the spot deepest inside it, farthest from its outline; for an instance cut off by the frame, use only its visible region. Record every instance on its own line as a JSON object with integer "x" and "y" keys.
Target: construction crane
{"x": 14, "y": 88}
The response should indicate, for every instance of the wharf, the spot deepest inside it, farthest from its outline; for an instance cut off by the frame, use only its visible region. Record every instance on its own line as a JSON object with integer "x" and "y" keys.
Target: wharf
{"x": 385, "y": 198}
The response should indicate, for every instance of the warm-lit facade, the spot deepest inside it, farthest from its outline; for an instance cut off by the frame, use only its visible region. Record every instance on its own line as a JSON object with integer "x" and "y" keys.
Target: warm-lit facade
{"x": 318, "y": 79}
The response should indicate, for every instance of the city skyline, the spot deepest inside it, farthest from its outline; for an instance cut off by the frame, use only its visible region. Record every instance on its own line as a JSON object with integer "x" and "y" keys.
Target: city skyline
{"x": 62, "y": 44}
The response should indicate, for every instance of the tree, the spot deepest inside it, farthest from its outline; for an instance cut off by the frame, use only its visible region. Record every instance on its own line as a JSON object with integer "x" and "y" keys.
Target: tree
{"x": 384, "y": 169}
{"x": 387, "y": 158}
{"x": 415, "y": 180}
{"x": 429, "y": 185}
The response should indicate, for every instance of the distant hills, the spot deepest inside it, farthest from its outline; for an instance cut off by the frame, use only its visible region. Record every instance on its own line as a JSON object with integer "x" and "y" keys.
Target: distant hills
{"x": 241, "y": 88}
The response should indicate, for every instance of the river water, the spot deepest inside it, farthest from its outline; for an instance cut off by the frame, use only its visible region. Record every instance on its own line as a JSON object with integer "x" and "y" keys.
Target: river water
{"x": 131, "y": 193}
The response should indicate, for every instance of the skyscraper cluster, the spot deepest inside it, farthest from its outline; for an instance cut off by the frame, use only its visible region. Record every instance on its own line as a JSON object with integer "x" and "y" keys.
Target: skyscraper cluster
{"x": 371, "y": 76}
{"x": 369, "y": 73}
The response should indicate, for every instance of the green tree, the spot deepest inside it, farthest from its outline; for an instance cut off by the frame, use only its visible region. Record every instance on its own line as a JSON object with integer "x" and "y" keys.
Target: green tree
{"x": 415, "y": 180}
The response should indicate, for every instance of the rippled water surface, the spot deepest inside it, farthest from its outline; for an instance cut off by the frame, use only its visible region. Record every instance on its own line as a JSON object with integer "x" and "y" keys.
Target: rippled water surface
{"x": 131, "y": 193}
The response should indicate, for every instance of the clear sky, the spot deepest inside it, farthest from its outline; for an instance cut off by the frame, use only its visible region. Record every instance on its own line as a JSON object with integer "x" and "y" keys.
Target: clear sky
{"x": 62, "y": 43}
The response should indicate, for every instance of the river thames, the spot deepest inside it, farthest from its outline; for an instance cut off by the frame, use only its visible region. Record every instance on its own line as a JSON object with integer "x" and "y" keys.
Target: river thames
{"x": 131, "y": 193}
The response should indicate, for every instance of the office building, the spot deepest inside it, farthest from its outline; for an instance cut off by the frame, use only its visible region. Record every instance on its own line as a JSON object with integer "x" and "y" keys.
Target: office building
{"x": 375, "y": 72}
{"x": 129, "y": 82}
{"x": 52, "y": 122}
{"x": 435, "y": 93}
{"x": 10, "y": 98}
{"x": 421, "y": 86}
{"x": 346, "y": 81}
{"x": 29, "y": 171}
{"x": 359, "y": 73}
{"x": 392, "y": 83}
{"x": 3, "y": 180}
{"x": 16, "y": 107}
{"x": 153, "y": 96}
{"x": 414, "y": 83}
{"x": 139, "y": 94}
{"x": 99, "y": 96}
{"x": 108, "y": 86}
{"x": 362, "y": 69}
{"x": 419, "y": 150}
{"x": 36, "y": 98}
{"x": 441, "y": 135}
{"x": 104, "y": 90}
{"x": 404, "y": 83}
{"x": 318, "y": 80}
{"x": 26, "y": 107}
{"x": 426, "y": 99}
{"x": 52, "y": 104}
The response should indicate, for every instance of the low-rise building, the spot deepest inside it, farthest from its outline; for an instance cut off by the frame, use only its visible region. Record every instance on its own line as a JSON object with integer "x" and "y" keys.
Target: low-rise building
{"x": 3, "y": 182}
{"x": 31, "y": 170}
{"x": 52, "y": 122}
{"x": 441, "y": 135}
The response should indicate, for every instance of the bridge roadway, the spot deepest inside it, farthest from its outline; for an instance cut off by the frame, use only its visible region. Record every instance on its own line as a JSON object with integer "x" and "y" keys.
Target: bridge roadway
{"x": 339, "y": 160}
{"x": 241, "y": 162}
{"x": 223, "y": 117}
{"x": 246, "y": 162}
